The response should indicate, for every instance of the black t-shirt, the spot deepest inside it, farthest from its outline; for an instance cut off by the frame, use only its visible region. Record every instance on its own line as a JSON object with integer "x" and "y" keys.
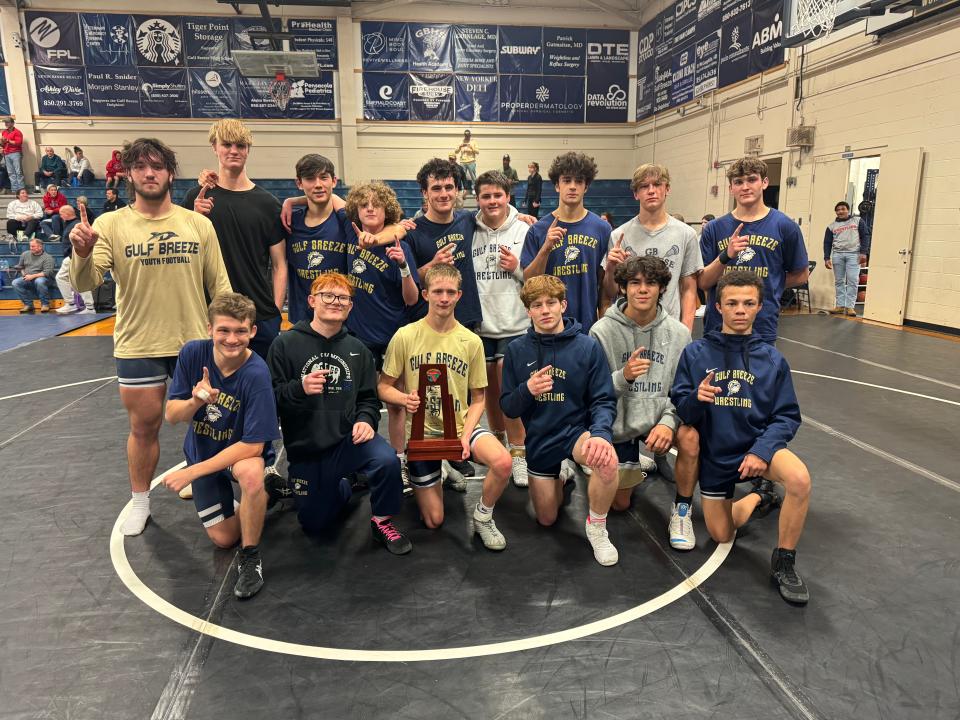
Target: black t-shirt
{"x": 248, "y": 225}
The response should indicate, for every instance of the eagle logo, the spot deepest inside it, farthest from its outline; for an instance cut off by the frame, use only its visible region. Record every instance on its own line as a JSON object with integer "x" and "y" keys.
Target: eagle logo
{"x": 746, "y": 255}
{"x": 733, "y": 387}
{"x": 492, "y": 261}
{"x": 314, "y": 259}
{"x": 570, "y": 254}
{"x": 359, "y": 266}
{"x": 214, "y": 413}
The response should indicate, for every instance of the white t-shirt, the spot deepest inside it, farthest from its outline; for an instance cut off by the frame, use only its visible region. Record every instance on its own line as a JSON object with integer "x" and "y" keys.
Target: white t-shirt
{"x": 675, "y": 243}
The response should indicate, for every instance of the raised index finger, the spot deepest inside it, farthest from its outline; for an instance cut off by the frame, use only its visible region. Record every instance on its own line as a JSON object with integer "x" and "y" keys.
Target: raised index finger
{"x": 203, "y": 192}
{"x": 709, "y": 378}
{"x": 544, "y": 370}
{"x": 619, "y": 241}
{"x": 356, "y": 229}
{"x": 637, "y": 352}
{"x": 736, "y": 233}
{"x": 554, "y": 223}
{"x": 83, "y": 214}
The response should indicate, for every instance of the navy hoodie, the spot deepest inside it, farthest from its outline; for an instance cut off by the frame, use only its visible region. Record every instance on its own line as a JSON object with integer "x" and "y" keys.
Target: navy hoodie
{"x": 756, "y": 412}
{"x": 582, "y": 394}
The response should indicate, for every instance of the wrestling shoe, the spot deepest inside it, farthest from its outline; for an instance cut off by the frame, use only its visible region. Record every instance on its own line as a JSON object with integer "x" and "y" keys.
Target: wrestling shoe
{"x": 392, "y": 539}
{"x": 603, "y": 550}
{"x": 681, "y": 527}
{"x": 784, "y": 575}
{"x": 250, "y": 573}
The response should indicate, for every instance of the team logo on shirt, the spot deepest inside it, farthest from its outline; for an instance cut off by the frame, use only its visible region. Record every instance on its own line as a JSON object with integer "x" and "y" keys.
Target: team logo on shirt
{"x": 733, "y": 387}
{"x": 570, "y": 254}
{"x": 214, "y": 413}
{"x": 674, "y": 250}
{"x": 338, "y": 378}
{"x": 359, "y": 266}
{"x": 746, "y": 255}
{"x": 492, "y": 261}
{"x": 630, "y": 251}
{"x": 314, "y": 259}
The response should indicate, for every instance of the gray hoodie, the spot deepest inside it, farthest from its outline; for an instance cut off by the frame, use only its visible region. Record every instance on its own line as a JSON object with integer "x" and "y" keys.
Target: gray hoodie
{"x": 645, "y": 402}
{"x": 503, "y": 312}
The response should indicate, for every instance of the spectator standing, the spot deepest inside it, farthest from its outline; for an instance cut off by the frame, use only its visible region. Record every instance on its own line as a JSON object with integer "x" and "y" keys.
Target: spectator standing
{"x": 115, "y": 172}
{"x": 534, "y": 190}
{"x": 80, "y": 168}
{"x": 846, "y": 244}
{"x": 36, "y": 276}
{"x": 113, "y": 201}
{"x": 12, "y": 140}
{"x": 23, "y": 214}
{"x": 510, "y": 174}
{"x": 68, "y": 219}
{"x": 468, "y": 153}
{"x": 52, "y": 169}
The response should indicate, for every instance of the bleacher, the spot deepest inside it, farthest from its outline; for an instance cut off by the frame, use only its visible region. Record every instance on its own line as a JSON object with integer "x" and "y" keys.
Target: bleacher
{"x": 604, "y": 195}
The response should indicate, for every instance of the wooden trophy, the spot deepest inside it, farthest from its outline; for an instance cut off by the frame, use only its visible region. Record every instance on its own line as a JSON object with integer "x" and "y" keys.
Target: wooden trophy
{"x": 434, "y": 396}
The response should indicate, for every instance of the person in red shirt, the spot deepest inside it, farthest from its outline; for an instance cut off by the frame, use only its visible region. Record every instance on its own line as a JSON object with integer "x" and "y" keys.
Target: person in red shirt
{"x": 53, "y": 200}
{"x": 12, "y": 141}
{"x": 115, "y": 172}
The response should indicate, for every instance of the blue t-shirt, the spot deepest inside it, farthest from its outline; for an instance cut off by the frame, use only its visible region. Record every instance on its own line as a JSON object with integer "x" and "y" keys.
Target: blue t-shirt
{"x": 245, "y": 410}
{"x": 776, "y": 248}
{"x": 378, "y": 306}
{"x": 576, "y": 261}
{"x": 311, "y": 252}
{"x": 430, "y": 237}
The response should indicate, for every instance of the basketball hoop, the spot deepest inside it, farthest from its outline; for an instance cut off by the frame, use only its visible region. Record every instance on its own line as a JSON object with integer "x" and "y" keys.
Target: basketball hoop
{"x": 280, "y": 90}
{"x": 815, "y": 17}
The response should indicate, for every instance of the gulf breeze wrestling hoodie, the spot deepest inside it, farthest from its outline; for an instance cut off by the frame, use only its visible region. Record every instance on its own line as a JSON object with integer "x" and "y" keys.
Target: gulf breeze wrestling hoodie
{"x": 582, "y": 393}
{"x": 314, "y": 423}
{"x": 757, "y": 410}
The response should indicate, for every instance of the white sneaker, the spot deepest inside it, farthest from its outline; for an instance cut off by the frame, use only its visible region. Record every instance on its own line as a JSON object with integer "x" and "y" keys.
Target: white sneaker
{"x": 87, "y": 311}
{"x": 701, "y": 311}
{"x": 67, "y": 309}
{"x": 681, "y": 527}
{"x": 520, "y": 478}
{"x": 647, "y": 464}
{"x": 603, "y": 550}
{"x": 186, "y": 493}
{"x": 568, "y": 472}
{"x": 492, "y": 538}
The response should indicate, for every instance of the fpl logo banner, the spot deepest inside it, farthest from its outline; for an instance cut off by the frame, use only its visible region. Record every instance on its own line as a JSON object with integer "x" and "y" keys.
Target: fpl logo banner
{"x": 54, "y": 38}
{"x": 386, "y": 96}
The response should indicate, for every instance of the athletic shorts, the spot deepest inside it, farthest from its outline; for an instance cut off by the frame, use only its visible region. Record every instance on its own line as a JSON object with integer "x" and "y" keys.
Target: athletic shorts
{"x": 723, "y": 490}
{"x": 213, "y": 497}
{"x": 426, "y": 473}
{"x": 495, "y": 348}
{"x": 145, "y": 372}
{"x": 546, "y": 466}
{"x": 628, "y": 459}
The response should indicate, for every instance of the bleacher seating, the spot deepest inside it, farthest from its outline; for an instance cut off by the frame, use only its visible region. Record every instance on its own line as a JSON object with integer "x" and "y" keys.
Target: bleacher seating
{"x": 610, "y": 195}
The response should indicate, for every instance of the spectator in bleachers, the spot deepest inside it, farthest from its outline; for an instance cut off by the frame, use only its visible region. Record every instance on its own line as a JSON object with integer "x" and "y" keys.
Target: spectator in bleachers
{"x": 53, "y": 200}
{"x": 510, "y": 174}
{"x": 52, "y": 170}
{"x": 12, "y": 140}
{"x": 459, "y": 179}
{"x": 68, "y": 218}
{"x": 23, "y": 214}
{"x": 608, "y": 216}
{"x": 534, "y": 190}
{"x": 113, "y": 201}
{"x": 83, "y": 200}
{"x": 115, "y": 172}
{"x": 36, "y": 276}
{"x": 80, "y": 168}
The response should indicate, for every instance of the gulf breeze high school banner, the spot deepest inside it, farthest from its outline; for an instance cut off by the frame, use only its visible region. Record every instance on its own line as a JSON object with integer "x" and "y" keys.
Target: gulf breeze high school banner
{"x": 160, "y": 66}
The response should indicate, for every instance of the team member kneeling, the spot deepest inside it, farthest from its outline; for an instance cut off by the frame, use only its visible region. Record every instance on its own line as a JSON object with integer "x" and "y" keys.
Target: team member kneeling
{"x": 745, "y": 423}
{"x": 643, "y": 342}
{"x": 325, "y": 383}
{"x": 558, "y": 382}
{"x": 222, "y": 389}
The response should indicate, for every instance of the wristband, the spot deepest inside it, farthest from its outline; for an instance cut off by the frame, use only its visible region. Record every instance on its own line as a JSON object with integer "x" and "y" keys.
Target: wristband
{"x": 404, "y": 271}
{"x": 203, "y": 395}
{"x": 724, "y": 257}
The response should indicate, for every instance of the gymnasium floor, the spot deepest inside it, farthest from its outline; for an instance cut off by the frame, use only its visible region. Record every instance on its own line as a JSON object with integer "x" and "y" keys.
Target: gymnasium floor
{"x": 340, "y": 628}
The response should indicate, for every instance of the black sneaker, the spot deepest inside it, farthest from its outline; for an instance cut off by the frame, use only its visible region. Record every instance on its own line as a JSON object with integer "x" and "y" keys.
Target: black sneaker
{"x": 770, "y": 500}
{"x": 392, "y": 539}
{"x": 277, "y": 487}
{"x": 250, "y": 573}
{"x": 785, "y": 576}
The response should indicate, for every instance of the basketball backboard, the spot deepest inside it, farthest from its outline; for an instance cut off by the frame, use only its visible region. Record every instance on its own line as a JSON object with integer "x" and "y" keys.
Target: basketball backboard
{"x": 270, "y": 63}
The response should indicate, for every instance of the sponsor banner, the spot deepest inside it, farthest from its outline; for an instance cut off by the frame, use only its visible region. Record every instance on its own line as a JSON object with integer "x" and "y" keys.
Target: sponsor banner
{"x": 214, "y": 92}
{"x": 255, "y": 99}
{"x": 54, "y": 38}
{"x": 312, "y": 98}
{"x": 240, "y": 29}
{"x": 662, "y": 82}
{"x": 645, "y": 93}
{"x": 730, "y": 9}
{"x": 521, "y": 50}
{"x": 159, "y": 42}
{"x": 113, "y": 91}
{"x": 608, "y": 48}
{"x": 107, "y": 39}
{"x": 683, "y": 71}
{"x": 383, "y": 46}
{"x": 606, "y": 97}
{"x": 431, "y": 97}
{"x": 646, "y": 48}
{"x": 564, "y": 51}
{"x": 164, "y": 93}
{"x": 664, "y": 39}
{"x": 475, "y": 49}
{"x": 385, "y": 96}
{"x": 206, "y": 41}
{"x": 735, "y": 37}
{"x": 708, "y": 16}
{"x": 766, "y": 48}
{"x": 320, "y": 36}
{"x": 431, "y": 48}
{"x": 708, "y": 64}
{"x": 683, "y": 36}
{"x": 4, "y": 98}
{"x": 684, "y": 13}
{"x": 541, "y": 99}
{"x": 477, "y": 99}
{"x": 61, "y": 91}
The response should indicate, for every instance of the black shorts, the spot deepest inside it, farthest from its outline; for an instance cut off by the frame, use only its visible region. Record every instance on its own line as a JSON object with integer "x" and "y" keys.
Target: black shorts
{"x": 213, "y": 497}
{"x": 426, "y": 473}
{"x": 495, "y": 348}
{"x": 145, "y": 372}
{"x": 547, "y": 465}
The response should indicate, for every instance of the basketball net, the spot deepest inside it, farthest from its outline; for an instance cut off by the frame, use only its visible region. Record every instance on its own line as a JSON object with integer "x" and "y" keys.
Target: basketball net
{"x": 280, "y": 90}
{"x": 815, "y": 17}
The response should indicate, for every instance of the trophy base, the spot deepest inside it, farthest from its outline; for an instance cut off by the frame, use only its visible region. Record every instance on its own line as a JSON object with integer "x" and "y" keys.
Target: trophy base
{"x": 438, "y": 449}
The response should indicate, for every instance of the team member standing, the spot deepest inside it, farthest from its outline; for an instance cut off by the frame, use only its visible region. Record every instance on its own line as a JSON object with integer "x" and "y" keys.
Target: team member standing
{"x": 736, "y": 390}
{"x": 571, "y": 242}
{"x": 325, "y": 384}
{"x": 654, "y": 232}
{"x": 756, "y": 238}
{"x": 534, "y": 190}
{"x": 557, "y": 380}
{"x": 846, "y": 244}
{"x": 497, "y": 244}
{"x": 164, "y": 260}
{"x": 222, "y": 389}
{"x": 643, "y": 342}
{"x": 247, "y": 220}
{"x": 439, "y": 338}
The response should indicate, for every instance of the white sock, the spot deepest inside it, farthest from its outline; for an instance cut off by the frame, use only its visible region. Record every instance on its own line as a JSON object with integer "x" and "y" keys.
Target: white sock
{"x": 597, "y": 518}
{"x": 483, "y": 511}
{"x": 137, "y": 519}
